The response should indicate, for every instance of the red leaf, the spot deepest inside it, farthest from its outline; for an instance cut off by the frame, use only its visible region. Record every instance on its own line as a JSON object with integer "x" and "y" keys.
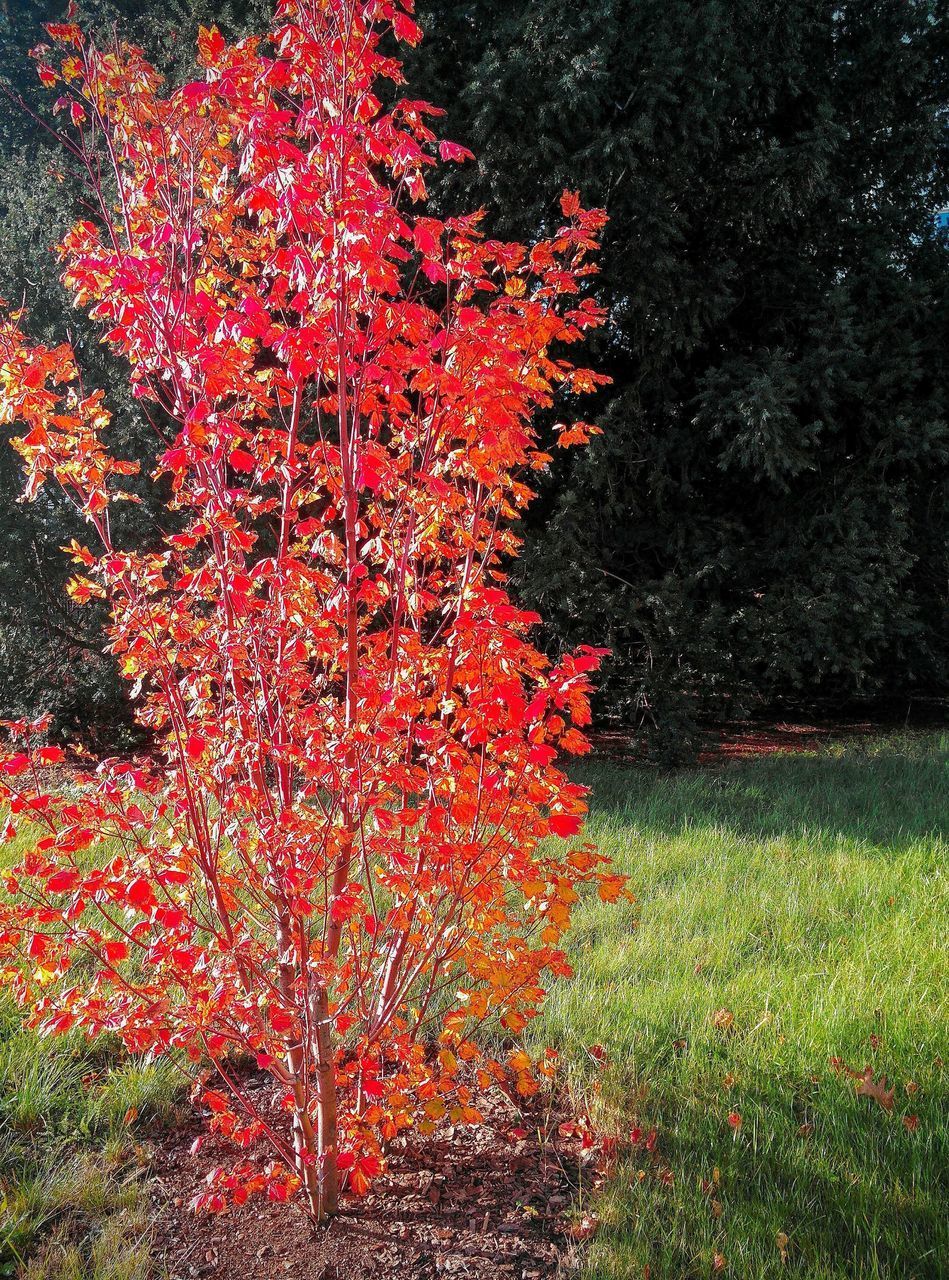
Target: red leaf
{"x": 195, "y": 93}
{"x": 38, "y": 947}
{"x": 210, "y": 45}
{"x": 64, "y": 33}
{"x": 114, "y": 951}
{"x": 565, "y": 824}
{"x": 280, "y": 1020}
{"x": 452, "y": 151}
{"x": 867, "y": 1087}
{"x": 63, "y": 881}
{"x": 140, "y": 895}
{"x": 405, "y": 29}
{"x": 176, "y": 459}
{"x": 584, "y": 1227}
{"x": 242, "y": 461}
{"x": 364, "y": 1169}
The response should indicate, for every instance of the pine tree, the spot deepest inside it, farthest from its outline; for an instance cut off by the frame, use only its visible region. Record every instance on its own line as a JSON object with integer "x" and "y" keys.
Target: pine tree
{"x": 765, "y": 513}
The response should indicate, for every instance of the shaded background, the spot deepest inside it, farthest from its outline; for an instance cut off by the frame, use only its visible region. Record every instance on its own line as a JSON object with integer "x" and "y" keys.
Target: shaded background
{"x": 764, "y": 519}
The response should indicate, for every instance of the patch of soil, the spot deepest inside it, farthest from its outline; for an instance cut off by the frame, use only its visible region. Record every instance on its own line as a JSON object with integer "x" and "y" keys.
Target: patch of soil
{"x": 746, "y": 739}
{"x": 490, "y": 1200}
{"x": 743, "y": 742}
{"x": 804, "y": 728}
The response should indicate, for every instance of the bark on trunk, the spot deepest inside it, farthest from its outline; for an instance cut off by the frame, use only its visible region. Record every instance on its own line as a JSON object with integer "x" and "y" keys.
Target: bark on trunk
{"x": 327, "y": 1128}
{"x": 315, "y": 1150}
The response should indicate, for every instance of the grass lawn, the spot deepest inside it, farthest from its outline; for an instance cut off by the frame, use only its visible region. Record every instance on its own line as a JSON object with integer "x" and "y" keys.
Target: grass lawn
{"x": 799, "y": 898}
{"x": 805, "y": 896}
{"x": 71, "y": 1171}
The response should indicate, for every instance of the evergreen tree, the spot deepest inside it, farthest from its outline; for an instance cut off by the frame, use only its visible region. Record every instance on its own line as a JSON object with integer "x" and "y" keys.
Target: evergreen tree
{"x": 51, "y": 655}
{"x": 765, "y": 514}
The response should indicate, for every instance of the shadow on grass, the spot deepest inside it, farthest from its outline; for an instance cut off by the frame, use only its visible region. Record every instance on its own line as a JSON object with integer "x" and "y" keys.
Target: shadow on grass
{"x": 799, "y": 894}
{"x": 851, "y": 1211}
{"x": 889, "y": 795}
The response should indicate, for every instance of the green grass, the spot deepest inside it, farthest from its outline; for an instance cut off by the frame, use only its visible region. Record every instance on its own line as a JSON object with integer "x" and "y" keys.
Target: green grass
{"x": 803, "y": 894}
{"x": 806, "y": 895}
{"x": 71, "y": 1169}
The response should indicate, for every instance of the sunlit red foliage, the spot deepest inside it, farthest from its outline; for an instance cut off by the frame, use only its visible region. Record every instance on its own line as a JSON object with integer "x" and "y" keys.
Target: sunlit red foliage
{"x": 337, "y": 863}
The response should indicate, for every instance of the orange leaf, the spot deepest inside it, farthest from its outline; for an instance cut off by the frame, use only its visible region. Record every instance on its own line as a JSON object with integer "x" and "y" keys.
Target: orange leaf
{"x": 867, "y": 1087}
{"x": 570, "y": 203}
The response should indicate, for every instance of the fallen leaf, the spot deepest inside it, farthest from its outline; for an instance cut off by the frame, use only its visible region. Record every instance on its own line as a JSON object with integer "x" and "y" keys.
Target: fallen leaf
{"x": 875, "y": 1089}
{"x": 584, "y": 1228}
{"x": 911, "y": 1123}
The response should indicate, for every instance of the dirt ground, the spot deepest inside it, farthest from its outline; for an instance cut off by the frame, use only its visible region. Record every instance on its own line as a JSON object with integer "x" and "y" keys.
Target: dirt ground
{"x": 745, "y": 740}
{"x": 492, "y": 1200}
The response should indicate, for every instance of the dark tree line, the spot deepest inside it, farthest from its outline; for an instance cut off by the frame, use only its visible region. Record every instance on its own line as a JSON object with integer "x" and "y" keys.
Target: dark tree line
{"x": 765, "y": 515}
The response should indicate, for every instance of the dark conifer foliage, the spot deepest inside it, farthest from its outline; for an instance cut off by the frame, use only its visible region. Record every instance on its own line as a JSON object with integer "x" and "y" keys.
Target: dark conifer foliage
{"x": 765, "y": 515}
{"x": 50, "y": 651}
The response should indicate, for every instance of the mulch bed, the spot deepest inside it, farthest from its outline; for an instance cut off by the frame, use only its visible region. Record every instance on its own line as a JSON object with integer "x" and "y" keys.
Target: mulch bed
{"x": 745, "y": 741}
{"x": 768, "y": 740}
{"x": 491, "y": 1200}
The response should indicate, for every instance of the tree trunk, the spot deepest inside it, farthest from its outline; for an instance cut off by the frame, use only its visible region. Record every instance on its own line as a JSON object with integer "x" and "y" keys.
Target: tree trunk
{"x": 315, "y": 1151}
{"x": 328, "y": 1134}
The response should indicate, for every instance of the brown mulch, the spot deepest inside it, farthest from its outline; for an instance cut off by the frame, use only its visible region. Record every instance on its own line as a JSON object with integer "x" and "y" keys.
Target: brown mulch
{"x": 766, "y": 740}
{"x": 746, "y": 741}
{"x": 491, "y": 1200}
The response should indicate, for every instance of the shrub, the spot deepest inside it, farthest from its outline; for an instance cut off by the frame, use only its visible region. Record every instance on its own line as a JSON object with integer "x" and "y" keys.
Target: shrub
{"x": 337, "y": 861}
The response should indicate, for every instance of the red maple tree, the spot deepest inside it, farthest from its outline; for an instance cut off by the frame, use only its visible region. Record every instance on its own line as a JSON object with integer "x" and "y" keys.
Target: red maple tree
{"x": 338, "y": 861}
